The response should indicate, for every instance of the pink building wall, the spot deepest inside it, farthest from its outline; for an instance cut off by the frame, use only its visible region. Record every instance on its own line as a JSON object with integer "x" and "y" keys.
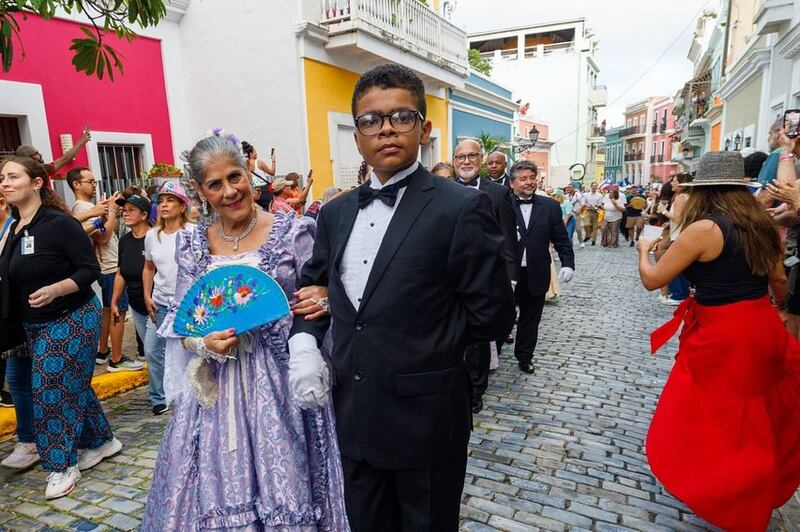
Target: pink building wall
{"x": 661, "y": 171}
{"x": 136, "y": 102}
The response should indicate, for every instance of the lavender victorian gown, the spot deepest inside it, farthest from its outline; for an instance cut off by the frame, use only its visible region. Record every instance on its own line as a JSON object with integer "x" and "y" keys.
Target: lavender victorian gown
{"x": 254, "y": 460}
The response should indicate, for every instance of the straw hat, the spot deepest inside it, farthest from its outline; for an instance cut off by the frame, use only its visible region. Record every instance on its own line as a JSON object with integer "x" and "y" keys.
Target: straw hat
{"x": 719, "y": 168}
{"x": 278, "y": 185}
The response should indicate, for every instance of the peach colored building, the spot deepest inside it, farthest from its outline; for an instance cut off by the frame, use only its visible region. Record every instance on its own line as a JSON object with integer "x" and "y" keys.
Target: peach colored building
{"x": 662, "y": 127}
{"x": 540, "y": 152}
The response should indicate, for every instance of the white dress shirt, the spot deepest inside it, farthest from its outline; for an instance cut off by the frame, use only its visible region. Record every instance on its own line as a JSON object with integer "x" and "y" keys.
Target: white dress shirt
{"x": 526, "y": 209}
{"x": 365, "y": 239}
{"x": 359, "y": 254}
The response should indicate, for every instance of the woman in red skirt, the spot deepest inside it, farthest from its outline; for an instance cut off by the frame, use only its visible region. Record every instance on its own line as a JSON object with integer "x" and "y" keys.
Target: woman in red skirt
{"x": 725, "y": 437}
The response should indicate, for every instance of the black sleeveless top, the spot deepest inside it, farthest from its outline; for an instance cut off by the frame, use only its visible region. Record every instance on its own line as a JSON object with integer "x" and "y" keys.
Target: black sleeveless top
{"x": 726, "y": 279}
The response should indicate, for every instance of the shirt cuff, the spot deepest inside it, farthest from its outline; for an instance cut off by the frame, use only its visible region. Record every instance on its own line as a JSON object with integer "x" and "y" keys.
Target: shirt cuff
{"x": 302, "y": 341}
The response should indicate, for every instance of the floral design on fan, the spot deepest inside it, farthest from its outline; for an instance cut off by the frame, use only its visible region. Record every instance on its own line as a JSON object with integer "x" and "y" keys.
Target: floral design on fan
{"x": 224, "y": 296}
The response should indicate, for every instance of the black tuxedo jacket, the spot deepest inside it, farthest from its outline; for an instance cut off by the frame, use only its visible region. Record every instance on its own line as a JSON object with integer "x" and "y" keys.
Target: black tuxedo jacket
{"x": 545, "y": 226}
{"x": 503, "y": 208}
{"x": 400, "y": 390}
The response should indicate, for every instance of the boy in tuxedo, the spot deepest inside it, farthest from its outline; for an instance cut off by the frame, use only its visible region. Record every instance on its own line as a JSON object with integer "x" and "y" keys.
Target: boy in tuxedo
{"x": 406, "y": 258}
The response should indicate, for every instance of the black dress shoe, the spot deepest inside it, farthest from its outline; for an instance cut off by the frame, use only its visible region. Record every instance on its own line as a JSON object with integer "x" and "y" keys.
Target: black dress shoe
{"x": 510, "y": 339}
{"x": 526, "y": 367}
{"x": 477, "y": 407}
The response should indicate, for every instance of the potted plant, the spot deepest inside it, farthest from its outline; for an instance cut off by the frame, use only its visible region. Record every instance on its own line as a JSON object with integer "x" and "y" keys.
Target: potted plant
{"x": 164, "y": 170}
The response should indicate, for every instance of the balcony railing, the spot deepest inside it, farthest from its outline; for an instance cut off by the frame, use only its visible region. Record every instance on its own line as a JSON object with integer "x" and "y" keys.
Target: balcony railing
{"x": 633, "y": 130}
{"x": 598, "y": 131}
{"x": 652, "y": 159}
{"x": 660, "y": 158}
{"x": 634, "y": 156}
{"x": 407, "y": 24}
{"x": 529, "y": 52}
{"x": 663, "y": 127}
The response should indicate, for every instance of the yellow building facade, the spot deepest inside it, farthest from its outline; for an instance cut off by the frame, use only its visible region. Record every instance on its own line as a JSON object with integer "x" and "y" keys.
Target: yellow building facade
{"x": 332, "y": 150}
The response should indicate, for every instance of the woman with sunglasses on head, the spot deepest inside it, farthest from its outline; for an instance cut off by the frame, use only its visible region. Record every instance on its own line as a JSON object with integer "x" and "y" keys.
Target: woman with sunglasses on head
{"x": 47, "y": 271}
{"x": 135, "y": 213}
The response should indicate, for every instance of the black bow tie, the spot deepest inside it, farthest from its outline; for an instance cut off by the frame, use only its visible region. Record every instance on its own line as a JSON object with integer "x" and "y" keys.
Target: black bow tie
{"x": 525, "y": 201}
{"x": 388, "y": 194}
{"x": 473, "y": 183}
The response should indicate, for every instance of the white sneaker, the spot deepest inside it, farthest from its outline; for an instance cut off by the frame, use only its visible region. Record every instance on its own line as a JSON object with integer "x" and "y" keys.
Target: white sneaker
{"x": 672, "y": 302}
{"x": 60, "y": 484}
{"x": 583, "y": 245}
{"x": 662, "y": 299}
{"x": 92, "y": 457}
{"x": 23, "y": 456}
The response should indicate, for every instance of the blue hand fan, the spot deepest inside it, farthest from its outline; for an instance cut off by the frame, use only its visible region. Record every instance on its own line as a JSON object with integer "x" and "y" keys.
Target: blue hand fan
{"x": 230, "y": 297}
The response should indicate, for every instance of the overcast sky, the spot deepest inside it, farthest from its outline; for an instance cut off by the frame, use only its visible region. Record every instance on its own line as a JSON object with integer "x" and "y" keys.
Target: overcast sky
{"x": 632, "y": 35}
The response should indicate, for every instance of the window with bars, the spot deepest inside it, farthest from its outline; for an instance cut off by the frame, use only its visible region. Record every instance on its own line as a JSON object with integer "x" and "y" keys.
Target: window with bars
{"x": 120, "y": 166}
{"x": 9, "y": 135}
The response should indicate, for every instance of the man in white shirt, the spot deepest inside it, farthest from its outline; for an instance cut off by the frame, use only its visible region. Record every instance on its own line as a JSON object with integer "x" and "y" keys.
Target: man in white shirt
{"x": 593, "y": 201}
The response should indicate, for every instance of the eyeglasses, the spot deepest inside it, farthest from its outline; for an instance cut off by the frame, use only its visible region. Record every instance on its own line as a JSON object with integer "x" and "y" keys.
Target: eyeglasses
{"x": 461, "y": 157}
{"x": 403, "y": 121}
{"x": 90, "y": 181}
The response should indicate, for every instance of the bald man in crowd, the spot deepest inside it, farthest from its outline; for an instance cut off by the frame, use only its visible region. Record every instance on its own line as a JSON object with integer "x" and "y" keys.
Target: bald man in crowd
{"x": 496, "y": 168}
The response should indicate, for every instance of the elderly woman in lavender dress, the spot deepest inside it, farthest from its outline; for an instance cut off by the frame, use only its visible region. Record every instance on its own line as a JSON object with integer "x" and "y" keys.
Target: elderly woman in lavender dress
{"x": 238, "y": 453}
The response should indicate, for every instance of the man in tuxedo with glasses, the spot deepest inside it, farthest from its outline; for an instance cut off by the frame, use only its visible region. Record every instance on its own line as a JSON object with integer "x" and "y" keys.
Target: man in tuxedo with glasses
{"x": 467, "y": 161}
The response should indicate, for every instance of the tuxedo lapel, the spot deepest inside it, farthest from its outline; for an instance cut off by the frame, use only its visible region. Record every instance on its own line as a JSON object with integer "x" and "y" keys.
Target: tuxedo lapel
{"x": 536, "y": 212}
{"x": 347, "y": 218}
{"x": 523, "y": 230}
{"x": 414, "y": 200}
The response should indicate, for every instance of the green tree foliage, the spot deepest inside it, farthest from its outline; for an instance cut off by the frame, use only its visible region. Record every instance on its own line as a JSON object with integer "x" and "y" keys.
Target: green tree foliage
{"x": 92, "y": 55}
{"x": 478, "y": 63}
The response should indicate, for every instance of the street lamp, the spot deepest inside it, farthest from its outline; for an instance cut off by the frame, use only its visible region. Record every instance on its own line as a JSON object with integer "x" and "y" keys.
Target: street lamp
{"x": 737, "y": 142}
{"x": 533, "y": 135}
{"x": 727, "y": 144}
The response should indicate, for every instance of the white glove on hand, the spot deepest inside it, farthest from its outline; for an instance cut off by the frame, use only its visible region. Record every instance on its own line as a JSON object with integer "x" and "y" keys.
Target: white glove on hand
{"x": 565, "y": 274}
{"x": 309, "y": 377}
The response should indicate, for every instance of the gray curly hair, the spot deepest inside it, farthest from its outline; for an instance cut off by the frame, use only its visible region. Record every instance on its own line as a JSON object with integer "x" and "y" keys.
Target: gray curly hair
{"x": 200, "y": 156}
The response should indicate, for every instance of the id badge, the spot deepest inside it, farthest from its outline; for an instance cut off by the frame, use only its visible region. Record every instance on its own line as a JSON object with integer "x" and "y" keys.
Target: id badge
{"x": 27, "y": 245}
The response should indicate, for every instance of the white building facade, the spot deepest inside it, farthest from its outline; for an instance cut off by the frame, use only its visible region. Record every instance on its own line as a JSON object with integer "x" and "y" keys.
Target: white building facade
{"x": 554, "y": 68}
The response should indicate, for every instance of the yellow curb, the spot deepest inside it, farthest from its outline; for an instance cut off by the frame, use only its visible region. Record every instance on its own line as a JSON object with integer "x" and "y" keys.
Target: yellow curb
{"x": 105, "y": 385}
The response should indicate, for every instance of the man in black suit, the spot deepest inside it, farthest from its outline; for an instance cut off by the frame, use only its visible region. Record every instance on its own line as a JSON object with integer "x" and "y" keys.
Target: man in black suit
{"x": 496, "y": 168}
{"x": 467, "y": 159}
{"x": 406, "y": 258}
{"x": 539, "y": 223}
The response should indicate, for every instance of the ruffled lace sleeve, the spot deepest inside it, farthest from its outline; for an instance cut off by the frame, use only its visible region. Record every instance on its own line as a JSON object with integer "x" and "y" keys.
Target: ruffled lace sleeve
{"x": 191, "y": 254}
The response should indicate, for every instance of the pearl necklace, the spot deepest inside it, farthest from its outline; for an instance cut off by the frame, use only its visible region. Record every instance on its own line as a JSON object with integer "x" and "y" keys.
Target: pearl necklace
{"x": 241, "y": 236}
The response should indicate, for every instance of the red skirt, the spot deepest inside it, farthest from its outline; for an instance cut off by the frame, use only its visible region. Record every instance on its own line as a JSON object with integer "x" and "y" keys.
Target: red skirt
{"x": 725, "y": 436}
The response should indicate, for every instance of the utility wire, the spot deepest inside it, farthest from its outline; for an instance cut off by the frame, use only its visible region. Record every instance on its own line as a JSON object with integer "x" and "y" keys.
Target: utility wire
{"x": 646, "y": 72}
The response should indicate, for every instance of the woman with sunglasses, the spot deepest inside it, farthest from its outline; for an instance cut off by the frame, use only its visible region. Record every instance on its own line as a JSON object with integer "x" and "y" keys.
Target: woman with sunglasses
{"x": 135, "y": 214}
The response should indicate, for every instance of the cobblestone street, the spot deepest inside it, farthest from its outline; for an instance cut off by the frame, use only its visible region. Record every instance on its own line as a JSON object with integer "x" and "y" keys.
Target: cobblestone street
{"x": 559, "y": 450}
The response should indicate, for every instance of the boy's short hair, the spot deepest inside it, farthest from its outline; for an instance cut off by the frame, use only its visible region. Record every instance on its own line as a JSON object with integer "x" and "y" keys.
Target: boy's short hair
{"x": 391, "y": 76}
{"x": 74, "y": 175}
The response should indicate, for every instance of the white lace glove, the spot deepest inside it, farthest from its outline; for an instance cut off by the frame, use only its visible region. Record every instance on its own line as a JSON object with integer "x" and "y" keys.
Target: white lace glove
{"x": 309, "y": 377}
{"x": 565, "y": 274}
